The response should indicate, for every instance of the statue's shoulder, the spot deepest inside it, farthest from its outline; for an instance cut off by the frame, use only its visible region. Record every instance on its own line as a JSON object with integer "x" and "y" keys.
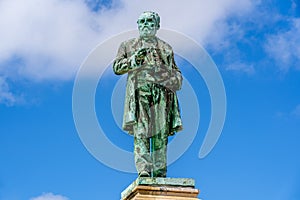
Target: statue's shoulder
{"x": 164, "y": 44}
{"x": 129, "y": 43}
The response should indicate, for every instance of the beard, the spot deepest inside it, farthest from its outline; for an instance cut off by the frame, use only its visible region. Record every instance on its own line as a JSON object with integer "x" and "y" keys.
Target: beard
{"x": 147, "y": 31}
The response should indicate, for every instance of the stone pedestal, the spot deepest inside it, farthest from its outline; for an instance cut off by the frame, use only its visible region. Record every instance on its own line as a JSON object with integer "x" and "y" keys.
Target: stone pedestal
{"x": 161, "y": 189}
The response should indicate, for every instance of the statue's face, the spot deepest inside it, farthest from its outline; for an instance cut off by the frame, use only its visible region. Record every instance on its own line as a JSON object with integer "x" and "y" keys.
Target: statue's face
{"x": 147, "y": 25}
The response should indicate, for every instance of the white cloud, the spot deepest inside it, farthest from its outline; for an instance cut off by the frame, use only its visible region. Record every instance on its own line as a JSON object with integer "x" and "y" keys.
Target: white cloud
{"x": 241, "y": 67}
{"x": 193, "y": 17}
{"x": 296, "y": 111}
{"x": 49, "y": 196}
{"x": 284, "y": 47}
{"x": 6, "y": 96}
{"x": 49, "y": 39}
{"x": 52, "y": 37}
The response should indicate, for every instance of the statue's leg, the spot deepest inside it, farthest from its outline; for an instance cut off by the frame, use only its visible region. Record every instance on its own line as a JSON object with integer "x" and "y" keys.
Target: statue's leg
{"x": 142, "y": 156}
{"x": 143, "y": 161}
{"x": 159, "y": 155}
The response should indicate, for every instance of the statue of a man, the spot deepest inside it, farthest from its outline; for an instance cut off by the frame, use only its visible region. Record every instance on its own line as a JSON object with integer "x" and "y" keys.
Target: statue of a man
{"x": 151, "y": 110}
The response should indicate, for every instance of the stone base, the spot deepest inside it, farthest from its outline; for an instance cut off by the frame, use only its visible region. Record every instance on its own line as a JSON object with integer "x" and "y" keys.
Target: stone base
{"x": 161, "y": 189}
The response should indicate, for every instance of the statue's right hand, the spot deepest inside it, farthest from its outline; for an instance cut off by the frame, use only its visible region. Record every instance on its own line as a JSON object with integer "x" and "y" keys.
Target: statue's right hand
{"x": 138, "y": 57}
{"x": 141, "y": 54}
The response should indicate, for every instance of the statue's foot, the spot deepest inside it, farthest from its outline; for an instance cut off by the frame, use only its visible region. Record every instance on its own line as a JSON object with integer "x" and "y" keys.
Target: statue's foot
{"x": 160, "y": 173}
{"x": 144, "y": 174}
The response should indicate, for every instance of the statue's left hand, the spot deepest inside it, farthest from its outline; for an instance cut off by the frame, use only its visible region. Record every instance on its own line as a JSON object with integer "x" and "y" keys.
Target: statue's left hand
{"x": 171, "y": 83}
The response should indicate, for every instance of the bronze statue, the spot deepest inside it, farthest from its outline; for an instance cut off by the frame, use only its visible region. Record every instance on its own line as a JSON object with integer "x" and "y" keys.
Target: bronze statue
{"x": 151, "y": 110}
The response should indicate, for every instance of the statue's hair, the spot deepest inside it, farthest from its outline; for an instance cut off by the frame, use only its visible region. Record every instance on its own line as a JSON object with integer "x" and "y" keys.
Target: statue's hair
{"x": 155, "y": 16}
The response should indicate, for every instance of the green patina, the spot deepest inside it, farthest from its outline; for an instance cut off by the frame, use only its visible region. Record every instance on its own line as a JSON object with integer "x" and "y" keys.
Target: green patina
{"x": 151, "y": 110}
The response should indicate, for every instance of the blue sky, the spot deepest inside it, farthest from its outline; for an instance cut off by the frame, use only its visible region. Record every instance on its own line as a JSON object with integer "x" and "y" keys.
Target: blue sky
{"x": 255, "y": 45}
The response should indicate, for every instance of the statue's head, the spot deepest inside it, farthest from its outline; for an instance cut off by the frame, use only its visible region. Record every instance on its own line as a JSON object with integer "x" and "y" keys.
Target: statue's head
{"x": 148, "y": 24}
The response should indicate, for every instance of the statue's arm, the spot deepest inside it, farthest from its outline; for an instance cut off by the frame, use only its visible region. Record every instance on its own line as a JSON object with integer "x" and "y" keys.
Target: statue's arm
{"x": 121, "y": 64}
{"x": 124, "y": 62}
{"x": 176, "y": 78}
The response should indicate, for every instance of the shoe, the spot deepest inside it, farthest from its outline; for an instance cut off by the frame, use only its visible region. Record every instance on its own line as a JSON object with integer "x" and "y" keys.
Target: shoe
{"x": 160, "y": 173}
{"x": 144, "y": 174}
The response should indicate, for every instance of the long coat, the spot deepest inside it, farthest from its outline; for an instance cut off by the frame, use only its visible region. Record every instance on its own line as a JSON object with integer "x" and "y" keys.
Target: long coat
{"x": 124, "y": 63}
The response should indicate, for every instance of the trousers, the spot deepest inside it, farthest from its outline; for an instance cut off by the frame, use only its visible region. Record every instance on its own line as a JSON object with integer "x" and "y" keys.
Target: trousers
{"x": 151, "y": 130}
{"x": 152, "y": 160}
